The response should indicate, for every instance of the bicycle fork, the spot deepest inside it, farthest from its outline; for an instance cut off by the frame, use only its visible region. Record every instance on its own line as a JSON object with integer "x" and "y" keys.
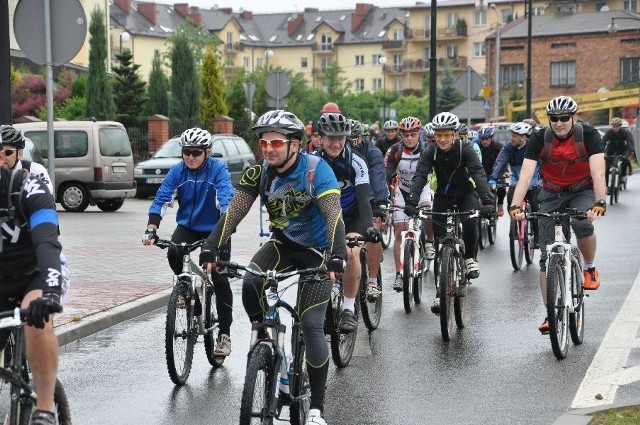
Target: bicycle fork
{"x": 564, "y": 250}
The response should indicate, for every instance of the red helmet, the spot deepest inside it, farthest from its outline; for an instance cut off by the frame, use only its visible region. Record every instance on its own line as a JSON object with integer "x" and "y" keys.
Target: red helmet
{"x": 409, "y": 124}
{"x": 331, "y": 108}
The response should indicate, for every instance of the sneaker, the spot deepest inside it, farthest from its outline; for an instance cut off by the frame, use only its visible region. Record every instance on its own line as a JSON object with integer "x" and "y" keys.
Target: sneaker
{"x": 544, "y": 327}
{"x": 435, "y": 307}
{"x": 223, "y": 348}
{"x": 348, "y": 321}
{"x": 40, "y": 417}
{"x": 398, "y": 284}
{"x": 473, "y": 271}
{"x": 591, "y": 279}
{"x": 373, "y": 292}
{"x": 500, "y": 211}
{"x": 315, "y": 417}
{"x": 429, "y": 251}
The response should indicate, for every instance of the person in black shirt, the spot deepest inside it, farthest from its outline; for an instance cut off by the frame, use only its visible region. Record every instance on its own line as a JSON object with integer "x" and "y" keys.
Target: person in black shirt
{"x": 490, "y": 150}
{"x": 618, "y": 141}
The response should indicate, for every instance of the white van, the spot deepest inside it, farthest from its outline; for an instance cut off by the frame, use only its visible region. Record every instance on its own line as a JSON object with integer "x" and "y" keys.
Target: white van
{"x": 93, "y": 162}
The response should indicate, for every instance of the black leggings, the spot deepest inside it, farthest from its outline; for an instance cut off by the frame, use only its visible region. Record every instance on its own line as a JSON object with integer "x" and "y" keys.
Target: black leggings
{"x": 313, "y": 297}
{"x": 221, "y": 287}
{"x": 467, "y": 201}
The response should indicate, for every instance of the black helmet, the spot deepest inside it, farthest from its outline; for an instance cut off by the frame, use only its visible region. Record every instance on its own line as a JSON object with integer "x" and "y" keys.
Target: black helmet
{"x": 356, "y": 128}
{"x": 334, "y": 124}
{"x": 12, "y": 135}
{"x": 282, "y": 122}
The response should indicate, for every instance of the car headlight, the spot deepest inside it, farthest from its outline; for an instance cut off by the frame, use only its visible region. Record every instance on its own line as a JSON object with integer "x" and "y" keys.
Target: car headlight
{"x": 138, "y": 171}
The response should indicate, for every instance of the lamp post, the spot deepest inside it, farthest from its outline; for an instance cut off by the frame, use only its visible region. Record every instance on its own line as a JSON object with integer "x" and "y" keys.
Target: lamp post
{"x": 268, "y": 54}
{"x": 124, "y": 37}
{"x": 529, "y": 27}
{"x": 383, "y": 61}
{"x": 496, "y": 92}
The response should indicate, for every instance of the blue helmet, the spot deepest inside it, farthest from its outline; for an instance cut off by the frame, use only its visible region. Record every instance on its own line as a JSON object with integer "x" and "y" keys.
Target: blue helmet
{"x": 485, "y": 132}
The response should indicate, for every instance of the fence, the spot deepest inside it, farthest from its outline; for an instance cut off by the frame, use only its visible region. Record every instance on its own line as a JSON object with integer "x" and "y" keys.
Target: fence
{"x": 139, "y": 144}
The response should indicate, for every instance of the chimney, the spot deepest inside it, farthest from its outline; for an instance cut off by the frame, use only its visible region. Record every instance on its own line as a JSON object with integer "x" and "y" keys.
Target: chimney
{"x": 293, "y": 24}
{"x": 311, "y": 9}
{"x": 124, "y": 5}
{"x": 247, "y": 14}
{"x": 182, "y": 8}
{"x": 148, "y": 10}
{"x": 363, "y": 8}
{"x": 359, "y": 16}
{"x": 196, "y": 17}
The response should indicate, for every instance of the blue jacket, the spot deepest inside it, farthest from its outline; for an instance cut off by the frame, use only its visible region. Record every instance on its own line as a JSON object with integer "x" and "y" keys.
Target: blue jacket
{"x": 203, "y": 195}
{"x": 377, "y": 174}
{"x": 513, "y": 156}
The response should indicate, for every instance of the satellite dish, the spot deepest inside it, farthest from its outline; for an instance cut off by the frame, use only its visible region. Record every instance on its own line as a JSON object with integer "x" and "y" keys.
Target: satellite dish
{"x": 603, "y": 90}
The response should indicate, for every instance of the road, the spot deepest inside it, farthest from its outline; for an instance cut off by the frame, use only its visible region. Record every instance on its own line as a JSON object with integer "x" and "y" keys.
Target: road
{"x": 498, "y": 370}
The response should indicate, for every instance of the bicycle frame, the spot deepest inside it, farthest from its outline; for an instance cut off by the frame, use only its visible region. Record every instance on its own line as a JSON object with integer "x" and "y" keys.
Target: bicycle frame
{"x": 562, "y": 247}
{"x": 452, "y": 237}
{"x": 414, "y": 232}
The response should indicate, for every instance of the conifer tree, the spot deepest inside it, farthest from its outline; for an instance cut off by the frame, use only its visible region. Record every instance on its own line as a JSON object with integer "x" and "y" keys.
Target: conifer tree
{"x": 158, "y": 89}
{"x": 184, "y": 104}
{"x": 129, "y": 91}
{"x": 213, "y": 104}
{"x": 99, "y": 94}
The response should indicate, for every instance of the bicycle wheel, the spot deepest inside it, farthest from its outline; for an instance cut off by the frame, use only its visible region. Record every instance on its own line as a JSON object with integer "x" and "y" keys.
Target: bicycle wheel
{"x": 387, "y": 232}
{"x": 417, "y": 281}
{"x": 459, "y": 302}
{"x": 483, "y": 227}
{"x": 179, "y": 334}
{"x": 557, "y": 314}
{"x": 613, "y": 184}
{"x": 492, "y": 228}
{"x": 211, "y": 325}
{"x": 529, "y": 243}
{"x": 516, "y": 248}
{"x": 407, "y": 276}
{"x": 446, "y": 288}
{"x": 576, "y": 319}
{"x": 299, "y": 381}
{"x": 26, "y": 406}
{"x": 258, "y": 384}
{"x": 371, "y": 308}
{"x": 342, "y": 344}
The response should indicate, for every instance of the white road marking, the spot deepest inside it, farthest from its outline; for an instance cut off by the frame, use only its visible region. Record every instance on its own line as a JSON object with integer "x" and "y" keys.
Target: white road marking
{"x": 607, "y": 370}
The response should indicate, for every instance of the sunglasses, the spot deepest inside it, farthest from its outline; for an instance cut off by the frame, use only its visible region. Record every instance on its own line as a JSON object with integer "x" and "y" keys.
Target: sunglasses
{"x": 9, "y": 152}
{"x": 194, "y": 153}
{"x": 563, "y": 118}
{"x": 274, "y": 143}
{"x": 410, "y": 134}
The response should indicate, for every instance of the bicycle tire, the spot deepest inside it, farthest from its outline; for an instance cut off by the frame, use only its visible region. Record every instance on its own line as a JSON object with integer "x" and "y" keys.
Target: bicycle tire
{"x": 492, "y": 229}
{"x": 483, "y": 240}
{"x": 460, "y": 302}
{"x": 417, "y": 282}
{"x": 529, "y": 243}
{"x": 407, "y": 276}
{"x": 446, "y": 288}
{"x": 26, "y": 407}
{"x": 371, "y": 309}
{"x": 342, "y": 344}
{"x": 258, "y": 384}
{"x": 516, "y": 248}
{"x": 576, "y": 319}
{"x": 613, "y": 184}
{"x": 179, "y": 336}
{"x": 556, "y": 313}
{"x": 210, "y": 321}
{"x": 387, "y": 233}
{"x": 300, "y": 388}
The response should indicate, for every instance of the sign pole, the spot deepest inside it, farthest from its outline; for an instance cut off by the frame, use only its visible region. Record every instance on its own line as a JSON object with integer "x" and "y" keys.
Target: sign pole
{"x": 49, "y": 68}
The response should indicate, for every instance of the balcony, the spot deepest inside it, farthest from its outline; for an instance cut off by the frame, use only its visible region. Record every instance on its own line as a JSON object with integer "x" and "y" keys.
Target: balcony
{"x": 417, "y": 66}
{"x": 323, "y": 49}
{"x": 231, "y": 70}
{"x": 452, "y": 33}
{"x": 319, "y": 72}
{"x": 393, "y": 69}
{"x": 397, "y": 45}
{"x": 453, "y": 63}
{"x": 233, "y": 47}
{"x": 420, "y": 33}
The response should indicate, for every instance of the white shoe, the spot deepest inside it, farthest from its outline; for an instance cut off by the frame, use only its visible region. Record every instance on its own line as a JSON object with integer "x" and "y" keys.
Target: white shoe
{"x": 372, "y": 291}
{"x": 473, "y": 270}
{"x": 315, "y": 418}
{"x": 429, "y": 251}
{"x": 223, "y": 348}
{"x": 398, "y": 284}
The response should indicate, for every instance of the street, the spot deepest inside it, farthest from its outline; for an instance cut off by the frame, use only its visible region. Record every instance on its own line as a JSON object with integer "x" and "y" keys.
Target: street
{"x": 497, "y": 370}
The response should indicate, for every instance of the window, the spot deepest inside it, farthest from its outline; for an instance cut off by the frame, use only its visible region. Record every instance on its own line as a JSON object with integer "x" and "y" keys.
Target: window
{"x": 359, "y": 84}
{"x": 68, "y": 144}
{"x": 324, "y": 64}
{"x": 563, "y": 73}
{"x": 511, "y": 75}
{"x": 376, "y": 84}
{"x": 427, "y": 54}
{"x": 304, "y": 63}
{"x": 229, "y": 39}
{"x": 375, "y": 59}
{"x": 246, "y": 63}
{"x": 359, "y": 60}
{"x": 506, "y": 15}
{"x": 397, "y": 84}
{"x": 259, "y": 62}
{"x": 397, "y": 62}
{"x": 562, "y": 45}
{"x": 325, "y": 42}
{"x": 242, "y": 146}
{"x": 232, "y": 149}
{"x": 480, "y": 18}
{"x": 452, "y": 50}
{"x": 629, "y": 70}
{"x": 427, "y": 24}
{"x": 479, "y": 50}
{"x": 631, "y": 5}
{"x": 216, "y": 147}
{"x": 538, "y": 11}
{"x": 397, "y": 34}
{"x": 452, "y": 20}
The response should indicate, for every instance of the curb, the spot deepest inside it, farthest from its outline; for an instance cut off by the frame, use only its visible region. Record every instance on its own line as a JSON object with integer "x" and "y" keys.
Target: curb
{"x": 94, "y": 323}
{"x": 584, "y": 416}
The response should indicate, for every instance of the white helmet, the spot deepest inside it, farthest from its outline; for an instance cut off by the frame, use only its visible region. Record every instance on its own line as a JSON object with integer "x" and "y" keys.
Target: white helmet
{"x": 280, "y": 121}
{"x": 562, "y": 105}
{"x": 391, "y": 125}
{"x": 521, "y": 128}
{"x": 445, "y": 121}
{"x": 195, "y": 137}
{"x": 428, "y": 130}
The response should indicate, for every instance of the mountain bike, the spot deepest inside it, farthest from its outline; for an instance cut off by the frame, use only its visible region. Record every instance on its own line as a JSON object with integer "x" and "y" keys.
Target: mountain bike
{"x": 269, "y": 368}
{"x": 185, "y": 321}
{"x": 565, "y": 292}
{"x": 15, "y": 371}
{"x": 615, "y": 184}
{"x": 387, "y": 229}
{"x": 451, "y": 272}
{"x": 522, "y": 239}
{"x": 488, "y": 224}
{"x": 415, "y": 265}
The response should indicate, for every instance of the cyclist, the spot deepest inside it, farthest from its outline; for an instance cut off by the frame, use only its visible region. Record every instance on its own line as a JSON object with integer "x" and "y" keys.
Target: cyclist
{"x": 402, "y": 161}
{"x": 390, "y": 137}
{"x": 30, "y": 275}
{"x": 202, "y": 185}
{"x": 379, "y": 199}
{"x": 314, "y": 139}
{"x": 489, "y": 152}
{"x": 463, "y": 131}
{"x": 428, "y": 133}
{"x": 352, "y": 174}
{"x": 512, "y": 155}
{"x": 460, "y": 180}
{"x": 311, "y": 229}
{"x": 572, "y": 170}
{"x": 618, "y": 141}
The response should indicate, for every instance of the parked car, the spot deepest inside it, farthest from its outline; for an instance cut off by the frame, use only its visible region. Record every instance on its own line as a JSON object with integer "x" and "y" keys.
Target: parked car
{"x": 31, "y": 153}
{"x": 231, "y": 149}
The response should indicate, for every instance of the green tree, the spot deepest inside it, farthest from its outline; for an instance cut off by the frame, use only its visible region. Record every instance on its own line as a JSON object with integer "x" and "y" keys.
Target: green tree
{"x": 448, "y": 97}
{"x": 335, "y": 84}
{"x": 158, "y": 89}
{"x": 411, "y": 106}
{"x": 237, "y": 104}
{"x": 184, "y": 104}
{"x": 79, "y": 86}
{"x": 99, "y": 95}
{"x": 73, "y": 109}
{"x": 199, "y": 39}
{"x": 212, "y": 95}
{"x": 129, "y": 91}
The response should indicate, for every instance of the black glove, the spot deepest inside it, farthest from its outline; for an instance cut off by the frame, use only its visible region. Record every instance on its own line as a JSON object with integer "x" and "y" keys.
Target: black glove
{"x": 379, "y": 211}
{"x": 410, "y": 209}
{"x": 373, "y": 235}
{"x": 488, "y": 210}
{"x": 208, "y": 256}
{"x": 150, "y": 234}
{"x": 41, "y": 308}
{"x": 336, "y": 264}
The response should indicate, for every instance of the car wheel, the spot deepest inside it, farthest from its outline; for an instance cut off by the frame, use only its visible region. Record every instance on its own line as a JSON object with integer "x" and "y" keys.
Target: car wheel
{"x": 110, "y": 205}
{"x": 74, "y": 197}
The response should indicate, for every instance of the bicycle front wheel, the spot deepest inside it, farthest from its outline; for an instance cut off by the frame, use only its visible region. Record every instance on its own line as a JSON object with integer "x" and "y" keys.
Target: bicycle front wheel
{"x": 613, "y": 185}
{"x": 342, "y": 344}
{"x": 492, "y": 229}
{"x": 211, "y": 327}
{"x": 446, "y": 288}
{"x": 529, "y": 243}
{"x": 483, "y": 227}
{"x": 179, "y": 334}
{"x": 576, "y": 319}
{"x": 387, "y": 233}
{"x": 60, "y": 401}
{"x": 407, "y": 276}
{"x": 516, "y": 246}
{"x": 258, "y": 384}
{"x": 557, "y": 314}
{"x": 299, "y": 381}
{"x": 371, "y": 307}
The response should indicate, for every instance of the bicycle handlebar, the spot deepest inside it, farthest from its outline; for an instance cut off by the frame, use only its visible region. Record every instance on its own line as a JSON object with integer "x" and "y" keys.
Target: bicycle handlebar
{"x": 558, "y": 215}
{"x": 188, "y": 247}
{"x": 271, "y": 274}
{"x": 13, "y": 318}
{"x": 449, "y": 213}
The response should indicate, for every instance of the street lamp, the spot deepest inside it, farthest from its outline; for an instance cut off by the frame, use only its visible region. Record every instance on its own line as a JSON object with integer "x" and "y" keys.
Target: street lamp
{"x": 529, "y": 27}
{"x": 124, "y": 37}
{"x": 382, "y": 60}
{"x": 496, "y": 93}
{"x": 268, "y": 54}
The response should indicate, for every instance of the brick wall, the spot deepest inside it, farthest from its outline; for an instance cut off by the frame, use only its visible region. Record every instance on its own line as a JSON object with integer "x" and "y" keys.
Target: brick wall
{"x": 157, "y": 131}
{"x": 223, "y": 125}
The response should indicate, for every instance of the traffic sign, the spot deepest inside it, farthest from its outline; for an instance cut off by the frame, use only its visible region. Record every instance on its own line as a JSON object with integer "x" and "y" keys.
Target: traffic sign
{"x": 485, "y": 104}
{"x": 469, "y": 83}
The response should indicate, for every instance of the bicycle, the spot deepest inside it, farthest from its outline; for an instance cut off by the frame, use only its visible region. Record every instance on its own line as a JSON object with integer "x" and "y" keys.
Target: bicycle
{"x": 371, "y": 307}
{"x": 565, "y": 292}
{"x": 488, "y": 225}
{"x": 521, "y": 239}
{"x": 386, "y": 230}
{"x": 268, "y": 366}
{"x": 184, "y": 321}
{"x": 15, "y": 371}
{"x": 615, "y": 184}
{"x": 451, "y": 272}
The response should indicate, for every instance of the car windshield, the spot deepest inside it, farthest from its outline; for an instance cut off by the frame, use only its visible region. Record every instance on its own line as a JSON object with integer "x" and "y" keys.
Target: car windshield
{"x": 171, "y": 149}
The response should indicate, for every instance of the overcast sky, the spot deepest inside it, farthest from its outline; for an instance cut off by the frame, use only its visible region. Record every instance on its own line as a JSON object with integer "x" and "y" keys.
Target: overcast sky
{"x": 262, "y": 6}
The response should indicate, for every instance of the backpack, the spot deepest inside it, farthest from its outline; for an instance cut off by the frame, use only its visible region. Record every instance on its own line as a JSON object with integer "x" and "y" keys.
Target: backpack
{"x": 312, "y": 164}
{"x": 578, "y": 143}
{"x": 16, "y": 184}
